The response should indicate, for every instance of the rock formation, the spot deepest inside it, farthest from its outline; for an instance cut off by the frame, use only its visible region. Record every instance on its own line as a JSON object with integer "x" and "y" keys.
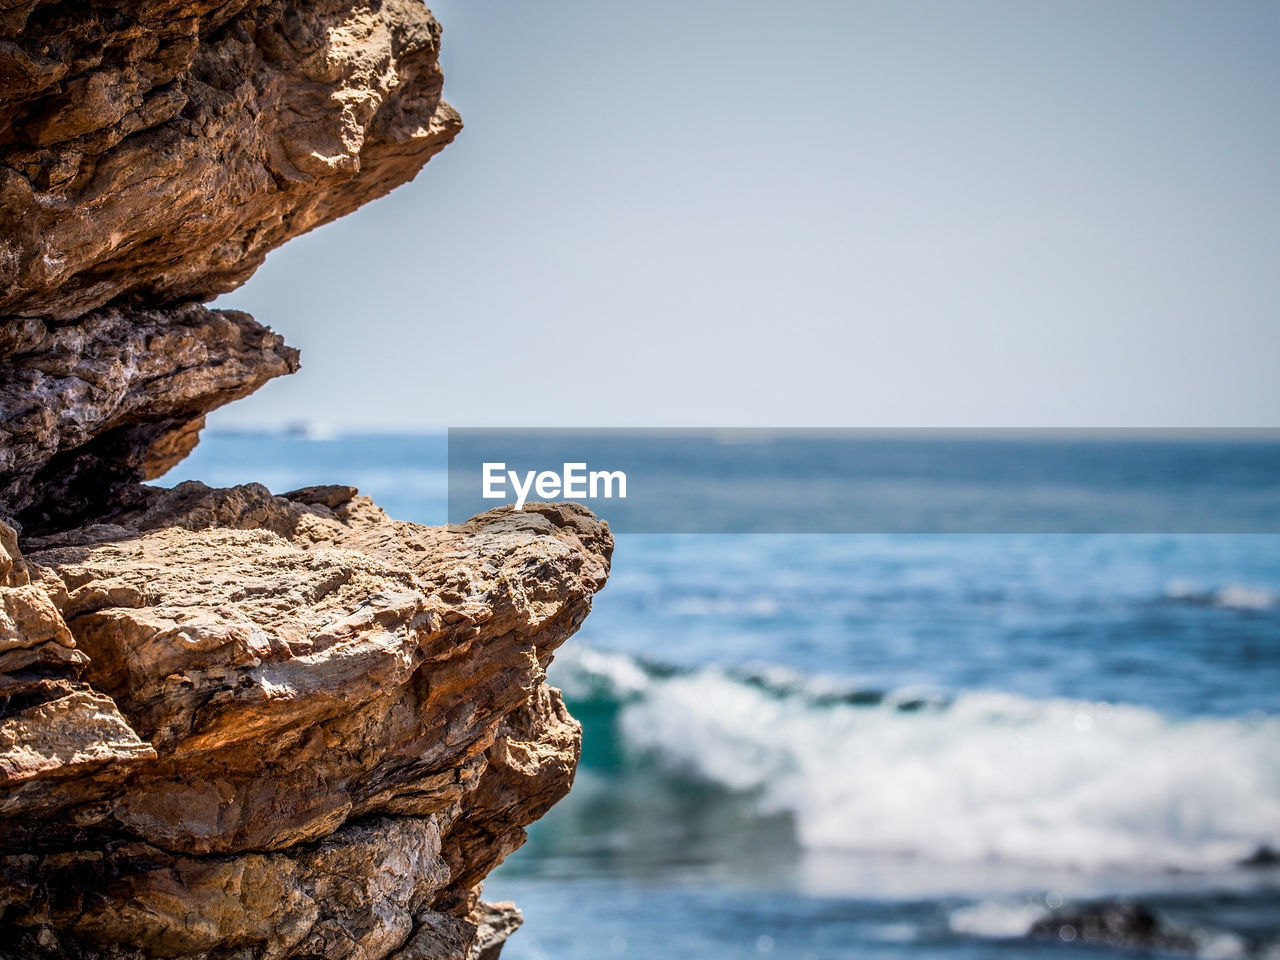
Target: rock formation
{"x": 1120, "y": 924}
{"x": 233, "y": 724}
{"x": 88, "y": 406}
{"x": 154, "y": 151}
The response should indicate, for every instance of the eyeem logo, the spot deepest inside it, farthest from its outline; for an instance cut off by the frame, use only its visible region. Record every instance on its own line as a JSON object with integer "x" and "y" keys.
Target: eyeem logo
{"x": 574, "y": 482}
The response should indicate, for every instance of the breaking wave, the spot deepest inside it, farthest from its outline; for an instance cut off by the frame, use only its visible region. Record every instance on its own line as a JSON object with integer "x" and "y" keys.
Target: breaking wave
{"x": 981, "y": 776}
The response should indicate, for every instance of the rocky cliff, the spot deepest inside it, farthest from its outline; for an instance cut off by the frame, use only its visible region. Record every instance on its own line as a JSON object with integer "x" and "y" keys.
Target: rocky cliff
{"x": 234, "y": 724}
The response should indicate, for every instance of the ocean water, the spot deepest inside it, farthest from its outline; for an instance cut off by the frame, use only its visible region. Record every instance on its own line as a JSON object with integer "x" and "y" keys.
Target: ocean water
{"x": 821, "y": 746}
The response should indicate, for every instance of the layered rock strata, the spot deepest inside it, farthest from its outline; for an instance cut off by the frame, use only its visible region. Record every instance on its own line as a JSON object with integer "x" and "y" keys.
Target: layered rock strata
{"x": 241, "y": 725}
{"x": 235, "y": 725}
{"x": 119, "y": 395}
{"x": 152, "y": 152}
{"x": 155, "y": 150}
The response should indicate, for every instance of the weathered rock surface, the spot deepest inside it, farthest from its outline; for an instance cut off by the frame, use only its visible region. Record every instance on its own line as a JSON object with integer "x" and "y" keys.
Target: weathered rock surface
{"x": 152, "y": 152}
{"x": 118, "y": 396}
{"x": 1124, "y": 924}
{"x": 155, "y": 150}
{"x": 280, "y": 727}
{"x": 235, "y": 725}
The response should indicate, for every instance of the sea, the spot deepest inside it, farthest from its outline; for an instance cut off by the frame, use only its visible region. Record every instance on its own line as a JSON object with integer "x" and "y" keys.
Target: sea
{"x": 918, "y": 745}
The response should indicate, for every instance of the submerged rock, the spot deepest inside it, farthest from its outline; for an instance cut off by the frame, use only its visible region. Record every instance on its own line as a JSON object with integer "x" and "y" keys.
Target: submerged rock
{"x": 1263, "y": 856}
{"x": 1116, "y": 923}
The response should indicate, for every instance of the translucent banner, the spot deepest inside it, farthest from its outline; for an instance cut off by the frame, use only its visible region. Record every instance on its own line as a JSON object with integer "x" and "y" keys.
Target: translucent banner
{"x": 708, "y": 480}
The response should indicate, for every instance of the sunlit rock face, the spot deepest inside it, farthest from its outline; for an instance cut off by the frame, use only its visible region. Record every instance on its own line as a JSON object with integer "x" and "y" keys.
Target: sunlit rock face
{"x": 151, "y": 154}
{"x": 233, "y": 724}
{"x": 246, "y": 725}
{"x": 155, "y": 150}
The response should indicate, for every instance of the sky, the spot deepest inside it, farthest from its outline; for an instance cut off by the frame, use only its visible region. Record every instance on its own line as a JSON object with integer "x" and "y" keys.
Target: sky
{"x": 864, "y": 213}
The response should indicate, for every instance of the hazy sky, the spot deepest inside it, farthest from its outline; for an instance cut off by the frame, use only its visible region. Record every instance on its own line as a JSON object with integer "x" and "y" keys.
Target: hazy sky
{"x": 813, "y": 214}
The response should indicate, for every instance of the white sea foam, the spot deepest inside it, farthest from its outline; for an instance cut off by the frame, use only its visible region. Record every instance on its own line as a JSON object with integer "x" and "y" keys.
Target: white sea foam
{"x": 991, "y": 777}
{"x": 1244, "y": 598}
{"x": 1229, "y": 597}
{"x": 995, "y": 919}
{"x": 587, "y": 674}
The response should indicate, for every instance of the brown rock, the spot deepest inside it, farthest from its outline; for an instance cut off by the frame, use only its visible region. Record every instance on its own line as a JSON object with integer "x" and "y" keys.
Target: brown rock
{"x": 51, "y": 725}
{"x": 321, "y": 727}
{"x": 495, "y": 922}
{"x": 156, "y": 150}
{"x": 234, "y": 725}
{"x": 116, "y": 397}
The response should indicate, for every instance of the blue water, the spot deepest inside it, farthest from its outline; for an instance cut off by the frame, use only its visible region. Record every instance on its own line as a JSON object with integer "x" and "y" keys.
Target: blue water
{"x": 891, "y": 481}
{"x": 910, "y": 746}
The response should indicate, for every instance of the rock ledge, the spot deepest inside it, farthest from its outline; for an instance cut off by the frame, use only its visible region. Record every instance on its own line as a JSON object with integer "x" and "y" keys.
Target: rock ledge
{"x": 240, "y": 725}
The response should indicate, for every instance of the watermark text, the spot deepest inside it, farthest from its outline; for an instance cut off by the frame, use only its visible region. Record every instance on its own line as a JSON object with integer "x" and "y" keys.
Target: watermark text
{"x": 574, "y": 481}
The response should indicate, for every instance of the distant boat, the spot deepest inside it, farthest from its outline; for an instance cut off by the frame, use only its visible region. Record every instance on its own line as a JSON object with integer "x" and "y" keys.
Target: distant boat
{"x": 310, "y": 430}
